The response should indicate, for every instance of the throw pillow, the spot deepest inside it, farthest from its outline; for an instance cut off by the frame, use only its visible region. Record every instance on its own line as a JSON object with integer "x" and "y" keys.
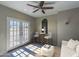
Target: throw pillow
{"x": 72, "y": 43}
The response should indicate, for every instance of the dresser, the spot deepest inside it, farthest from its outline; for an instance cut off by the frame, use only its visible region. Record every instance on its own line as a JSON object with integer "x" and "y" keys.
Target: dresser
{"x": 40, "y": 39}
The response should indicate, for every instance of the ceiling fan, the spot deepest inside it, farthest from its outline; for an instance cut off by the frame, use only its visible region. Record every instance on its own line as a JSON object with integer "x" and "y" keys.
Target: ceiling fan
{"x": 40, "y": 6}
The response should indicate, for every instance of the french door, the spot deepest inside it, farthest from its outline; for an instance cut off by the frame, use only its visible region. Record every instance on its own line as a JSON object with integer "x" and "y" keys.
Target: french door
{"x": 17, "y": 33}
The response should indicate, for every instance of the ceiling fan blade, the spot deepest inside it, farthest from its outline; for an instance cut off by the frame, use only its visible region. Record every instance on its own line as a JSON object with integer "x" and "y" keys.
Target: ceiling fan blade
{"x": 33, "y": 6}
{"x": 35, "y": 10}
{"x": 43, "y": 11}
{"x": 47, "y": 7}
{"x": 41, "y": 3}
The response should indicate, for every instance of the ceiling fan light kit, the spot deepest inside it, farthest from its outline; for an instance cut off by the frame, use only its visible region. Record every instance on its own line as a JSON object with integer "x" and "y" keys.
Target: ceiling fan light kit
{"x": 40, "y": 6}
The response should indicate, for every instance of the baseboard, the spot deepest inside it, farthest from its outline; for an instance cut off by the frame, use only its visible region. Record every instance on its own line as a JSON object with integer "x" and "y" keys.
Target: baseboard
{"x": 2, "y": 53}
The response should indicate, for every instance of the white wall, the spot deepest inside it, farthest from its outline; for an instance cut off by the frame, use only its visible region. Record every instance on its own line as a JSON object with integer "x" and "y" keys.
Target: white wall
{"x": 52, "y": 27}
{"x": 71, "y": 30}
{"x": 60, "y": 30}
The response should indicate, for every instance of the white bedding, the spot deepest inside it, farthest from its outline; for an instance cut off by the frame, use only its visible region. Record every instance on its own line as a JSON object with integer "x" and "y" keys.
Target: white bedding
{"x": 66, "y": 51}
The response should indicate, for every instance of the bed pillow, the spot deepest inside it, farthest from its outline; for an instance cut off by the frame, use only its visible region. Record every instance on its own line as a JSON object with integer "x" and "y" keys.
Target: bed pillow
{"x": 77, "y": 50}
{"x": 72, "y": 43}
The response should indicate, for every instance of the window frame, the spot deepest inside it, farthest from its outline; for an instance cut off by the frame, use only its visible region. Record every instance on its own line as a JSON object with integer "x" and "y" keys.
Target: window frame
{"x": 8, "y": 35}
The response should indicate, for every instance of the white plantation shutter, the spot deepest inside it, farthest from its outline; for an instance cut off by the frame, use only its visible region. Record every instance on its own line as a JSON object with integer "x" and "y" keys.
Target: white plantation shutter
{"x": 17, "y": 32}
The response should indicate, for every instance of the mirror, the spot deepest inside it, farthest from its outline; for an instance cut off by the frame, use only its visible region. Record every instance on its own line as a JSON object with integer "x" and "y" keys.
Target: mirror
{"x": 45, "y": 26}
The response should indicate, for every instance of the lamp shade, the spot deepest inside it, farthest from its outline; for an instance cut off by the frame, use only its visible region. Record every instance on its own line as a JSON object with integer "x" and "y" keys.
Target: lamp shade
{"x": 42, "y": 29}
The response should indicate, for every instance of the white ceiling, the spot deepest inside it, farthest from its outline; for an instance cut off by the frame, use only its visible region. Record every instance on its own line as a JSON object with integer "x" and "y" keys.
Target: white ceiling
{"x": 24, "y": 8}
